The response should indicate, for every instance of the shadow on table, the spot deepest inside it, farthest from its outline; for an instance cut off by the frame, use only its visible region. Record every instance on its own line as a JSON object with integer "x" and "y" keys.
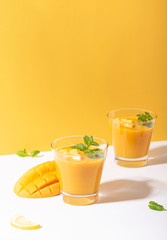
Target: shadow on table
{"x": 157, "y": 155}
{"x": 123, "y": 190}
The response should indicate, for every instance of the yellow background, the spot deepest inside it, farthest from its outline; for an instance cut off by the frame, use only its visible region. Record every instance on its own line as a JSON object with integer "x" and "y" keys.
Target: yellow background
{"x": 65, "y": 64}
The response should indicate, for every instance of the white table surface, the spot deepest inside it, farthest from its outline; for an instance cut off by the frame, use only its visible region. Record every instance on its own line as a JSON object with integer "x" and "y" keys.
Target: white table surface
{"x": 121, "y": 212}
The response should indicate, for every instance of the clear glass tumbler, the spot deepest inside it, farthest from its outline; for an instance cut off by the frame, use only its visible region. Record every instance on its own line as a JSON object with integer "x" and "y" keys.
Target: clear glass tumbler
{"x": 79, "y": 174}
{"x": 131, "y": 131}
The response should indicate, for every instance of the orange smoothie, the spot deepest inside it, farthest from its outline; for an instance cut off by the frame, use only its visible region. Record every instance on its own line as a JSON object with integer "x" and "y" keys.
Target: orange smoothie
{"x": 79, "y": 161}
{"x": 130, "y": 139}
{"x": 79, "y": 174}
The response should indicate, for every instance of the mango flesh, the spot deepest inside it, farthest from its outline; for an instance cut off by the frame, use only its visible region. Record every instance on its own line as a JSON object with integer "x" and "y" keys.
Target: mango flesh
{"x": 39, "y": 182}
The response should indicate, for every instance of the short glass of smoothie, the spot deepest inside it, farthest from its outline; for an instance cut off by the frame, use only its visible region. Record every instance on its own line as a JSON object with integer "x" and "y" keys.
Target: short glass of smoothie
{"x": 131, "y": 131}
{"x": 79, "y": 160}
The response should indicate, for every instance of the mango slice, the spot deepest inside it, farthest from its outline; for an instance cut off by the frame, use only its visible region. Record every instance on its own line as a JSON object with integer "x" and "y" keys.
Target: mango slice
{"x": 39, "y": 182}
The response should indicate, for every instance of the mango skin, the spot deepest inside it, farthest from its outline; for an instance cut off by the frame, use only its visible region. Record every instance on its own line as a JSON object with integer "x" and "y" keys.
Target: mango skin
{"x": 39, "y": 182}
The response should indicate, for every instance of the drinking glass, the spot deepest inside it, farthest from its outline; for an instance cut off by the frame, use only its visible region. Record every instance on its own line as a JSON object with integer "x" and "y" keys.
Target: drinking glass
{"x": 79, "y": 174}
{"x": 131, "y": 138}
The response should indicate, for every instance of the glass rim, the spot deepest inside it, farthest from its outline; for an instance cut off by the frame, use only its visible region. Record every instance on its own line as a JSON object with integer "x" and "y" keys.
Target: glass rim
{"x": 126, "y": 109}
{"x": 79, "y": 154}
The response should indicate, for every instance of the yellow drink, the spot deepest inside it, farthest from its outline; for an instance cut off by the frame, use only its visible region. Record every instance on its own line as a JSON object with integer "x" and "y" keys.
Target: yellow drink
{"x": 131, "y": 139}
{"x": 131, "y": 142}
{"x": 79, "y": 177}
{"x": 79, "y": 174}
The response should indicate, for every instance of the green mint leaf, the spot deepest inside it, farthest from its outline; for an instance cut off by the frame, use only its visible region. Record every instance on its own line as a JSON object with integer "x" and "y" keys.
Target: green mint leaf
{"x": 97, "y": 150}
{"x": 91, "y": 139}
{"x": 89, "y": 151}
{"x": 149, "y": 117}
{"x": 22, "y": 153}
{"x": 95, "y": 144}
{"x": 152, "y": 203}
{"x": 155, "y": 206}
{"x": 85, "y": 147}
{"x": 87, "y": 140}
{"x": 79, "y": 146}
{"x": 143, "y": 119}
{"x": 92, "y": 150}
{"x": 34, "y": 153}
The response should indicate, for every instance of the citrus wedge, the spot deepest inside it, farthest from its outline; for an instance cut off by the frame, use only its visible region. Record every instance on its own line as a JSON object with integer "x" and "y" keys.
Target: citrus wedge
{"x": 19, "y": 221}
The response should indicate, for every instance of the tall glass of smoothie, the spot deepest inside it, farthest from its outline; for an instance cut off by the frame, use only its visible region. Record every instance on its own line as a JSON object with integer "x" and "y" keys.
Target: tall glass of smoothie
{"x": 131, "y": 131}
{"x": 80, "y": 162}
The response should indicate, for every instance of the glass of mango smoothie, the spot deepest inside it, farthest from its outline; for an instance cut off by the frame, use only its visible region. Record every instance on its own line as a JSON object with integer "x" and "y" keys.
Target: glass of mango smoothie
{"x": 80, "y": 162}
{"x": 131, "y": 131}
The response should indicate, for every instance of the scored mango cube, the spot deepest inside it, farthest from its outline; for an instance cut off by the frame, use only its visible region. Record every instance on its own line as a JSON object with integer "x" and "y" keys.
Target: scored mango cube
{"x": 73, "y": 151}
{"x": 63, "y": 150}
{"x": 40, "y": 181}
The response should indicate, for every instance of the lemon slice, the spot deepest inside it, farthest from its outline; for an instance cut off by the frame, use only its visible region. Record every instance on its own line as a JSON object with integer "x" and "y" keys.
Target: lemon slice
{"x": 19, "y": 221}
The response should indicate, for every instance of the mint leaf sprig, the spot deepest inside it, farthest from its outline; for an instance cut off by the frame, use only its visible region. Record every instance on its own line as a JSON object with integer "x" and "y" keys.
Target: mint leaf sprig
{"x": 89, "y": 141}
{"x": 79, "y": 146}
{"x": 155, "y": 206}
{"x": 143, "y": 118}
{"x": 34, "y": 153}
{"x": 23, "y": 153}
